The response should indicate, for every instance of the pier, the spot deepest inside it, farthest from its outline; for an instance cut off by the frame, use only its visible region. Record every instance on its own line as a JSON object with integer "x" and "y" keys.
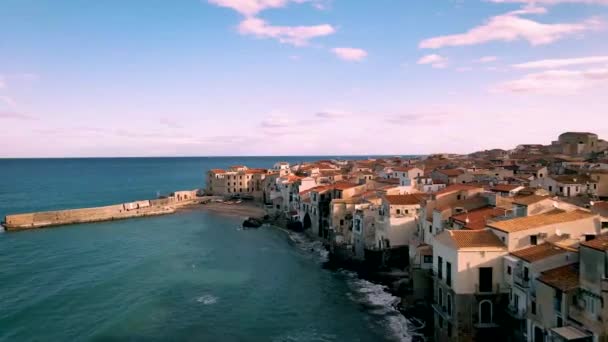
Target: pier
{"x": 154, "y": 207}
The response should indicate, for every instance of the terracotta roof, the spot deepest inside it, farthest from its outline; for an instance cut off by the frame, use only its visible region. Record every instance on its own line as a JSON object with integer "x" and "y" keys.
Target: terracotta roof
{"x": 217, "y": 171}
{"x": 601, "y": 205}
{"x": 475, "y": 239}
{"x": 255, "y": 171}
{"x": 527, "y": 200}
{"x": 535, "y": 253}
{"x": 478, "y": 218}
{"x": 564, "y": 278}
{"x": 600, "y": 243}
{"x": 535, "y": 221}
{"x": 456, "y": 188}
{"x": 451, "y": 172}
{"x": 411, "y": 199}
{"x": 402, "y": 168}
{"x": 387, "y": 180}
{"x": 344, "y": 185}
{"x": 237, "y": 166}
{"x": 504, "y": 187}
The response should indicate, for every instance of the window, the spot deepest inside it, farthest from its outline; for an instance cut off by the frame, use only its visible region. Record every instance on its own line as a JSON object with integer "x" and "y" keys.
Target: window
{"x": 449, "y": 329}
{"x": 458, "y": 197}
{"x": 533, "y": 240}
{"x": 440, "y": 321}
{"x": 560, "y": 322}
{"x": 440, "y": 267}
{"x": 406, "y": 211}
{"x": 398, "y": 211}
{"x": 485, "y": 279}
{"x": 533, "y": 307}
{"x": 448, "y": 273}
{"x": 526, "y": 273}
{"x": 449, "y": 304}
{"x": 485, "y": 312}
{"x": 428, "y": 259}
{"x": 440, "y": 297}
{"x": 341, "y": 222}
{"x": 509, "y": 270}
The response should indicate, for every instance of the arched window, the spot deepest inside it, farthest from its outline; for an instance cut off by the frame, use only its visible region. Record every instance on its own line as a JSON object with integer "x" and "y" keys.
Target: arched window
{"x": 485, "y": 311}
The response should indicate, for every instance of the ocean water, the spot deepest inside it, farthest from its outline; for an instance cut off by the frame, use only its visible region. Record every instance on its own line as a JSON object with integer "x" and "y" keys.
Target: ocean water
{"x": 193, "y": 276}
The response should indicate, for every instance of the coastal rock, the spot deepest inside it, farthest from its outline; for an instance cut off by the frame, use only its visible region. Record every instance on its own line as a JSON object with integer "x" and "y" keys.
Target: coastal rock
{"x": 252, "y": 223}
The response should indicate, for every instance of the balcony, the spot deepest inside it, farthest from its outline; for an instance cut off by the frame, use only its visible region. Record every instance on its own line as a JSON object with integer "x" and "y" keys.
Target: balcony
{"x": 580, "y": 315}
{"x": 515, "y": 312}
{"x": 521, "y": 281}
{"x": 488, "y": 290}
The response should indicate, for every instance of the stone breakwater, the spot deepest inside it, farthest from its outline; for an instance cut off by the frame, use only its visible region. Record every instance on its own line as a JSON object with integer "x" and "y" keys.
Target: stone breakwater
{"x": 161, "y": 206}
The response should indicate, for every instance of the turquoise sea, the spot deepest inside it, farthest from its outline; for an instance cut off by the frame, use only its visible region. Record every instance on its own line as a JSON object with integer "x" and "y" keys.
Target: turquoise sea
{"x": 193, "y": 276}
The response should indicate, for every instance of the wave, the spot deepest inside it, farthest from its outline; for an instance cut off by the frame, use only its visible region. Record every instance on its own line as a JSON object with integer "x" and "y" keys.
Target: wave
{"x": 207, "y": 299}
{"x": 309, "y": 245}
{"x": 381, "y": 303}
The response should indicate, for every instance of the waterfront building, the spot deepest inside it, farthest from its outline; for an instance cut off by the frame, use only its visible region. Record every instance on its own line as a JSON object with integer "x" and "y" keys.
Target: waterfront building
{"x": 237, "y": 181}
{"x": 468, "y": 285}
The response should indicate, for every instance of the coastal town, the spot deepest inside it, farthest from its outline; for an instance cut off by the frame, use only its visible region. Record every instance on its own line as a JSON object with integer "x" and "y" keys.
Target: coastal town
{"x": 497, "y": 245}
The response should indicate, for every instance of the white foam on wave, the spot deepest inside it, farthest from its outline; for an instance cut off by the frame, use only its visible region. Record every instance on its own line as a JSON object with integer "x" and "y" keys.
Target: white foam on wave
{"x": 380, "y": 303}
{"x": 309, "y": 245}
{"x": 207, "y": 299}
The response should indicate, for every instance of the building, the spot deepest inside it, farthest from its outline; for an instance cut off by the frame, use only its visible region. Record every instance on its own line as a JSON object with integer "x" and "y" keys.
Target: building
{"x": 568, "y": 185}
{"x": 469, "y": 295}
{"x": 237, "y": 181}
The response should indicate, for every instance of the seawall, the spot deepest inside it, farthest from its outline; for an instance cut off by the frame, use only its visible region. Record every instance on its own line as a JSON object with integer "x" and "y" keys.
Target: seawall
{"x": 143, "y": 208}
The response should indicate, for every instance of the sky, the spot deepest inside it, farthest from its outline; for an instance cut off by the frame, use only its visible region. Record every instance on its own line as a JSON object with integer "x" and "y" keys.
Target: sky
{"x": 84, "y": 78}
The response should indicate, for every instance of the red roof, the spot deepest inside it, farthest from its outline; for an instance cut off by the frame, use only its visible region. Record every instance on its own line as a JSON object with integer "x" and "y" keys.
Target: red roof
{"x": 504, "y": 187}
{"x": 451, "y": 172}
{"x": 477, "y": 219}
{"x": 411, "y": 199}
{"x": 456, "y": 188}
{"x": 217, "y": 171}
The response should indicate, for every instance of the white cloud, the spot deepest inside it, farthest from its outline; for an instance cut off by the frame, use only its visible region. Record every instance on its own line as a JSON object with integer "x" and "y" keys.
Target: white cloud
{"x": 512, "y": 27}
{"x": 487, "y": 59}
{"x": 276, "y": 121}
{"x": 557, "y": 81}
{"x": 436, "y": 61}
{"x": 560, "y": 63}
{"x": 295, "y": 35}
{"x": 350, "y": 54}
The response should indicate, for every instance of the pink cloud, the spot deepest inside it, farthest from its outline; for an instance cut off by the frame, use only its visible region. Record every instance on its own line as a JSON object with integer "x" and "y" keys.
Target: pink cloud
{"x": 249, "y": 7}
{"x": 512, "y": 27}
{"x": 436, "y": 61}
{"x": 295, "y": 35}
{"x": 350, "y": 54}
{"x": 560, "y": 63}
{"x": 557, "y": 81}
{"x": 487, "y": 59}
{"x": 554, "y": 2}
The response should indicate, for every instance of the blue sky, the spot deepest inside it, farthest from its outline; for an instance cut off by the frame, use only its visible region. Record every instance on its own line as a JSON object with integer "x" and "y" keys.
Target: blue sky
{"x": 276, "y": 77}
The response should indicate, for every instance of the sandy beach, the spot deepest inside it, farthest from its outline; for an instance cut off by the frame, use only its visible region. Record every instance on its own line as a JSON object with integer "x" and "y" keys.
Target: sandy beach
{"x": 244, "y": 209}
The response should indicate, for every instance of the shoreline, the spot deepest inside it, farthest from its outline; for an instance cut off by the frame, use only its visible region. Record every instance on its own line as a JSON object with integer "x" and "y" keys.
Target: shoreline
{"x": 243, "y": 210}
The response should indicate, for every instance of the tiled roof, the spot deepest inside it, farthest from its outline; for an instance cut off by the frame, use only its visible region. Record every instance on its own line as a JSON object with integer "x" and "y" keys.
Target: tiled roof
{"x": 387, "y": 180}
{"x": 456, "y": 188}
{"x": 475, "y": 239}
{"x": 600, "y": 243}
{"x": 451, "y": 172}
{"x": 601, "y": 205}
{"x": 564, "y": 278}
{"x": 504, "y": 187}
{"x": 535, "y": 221}
{"x": 344, "y": 185}
{"x": 527, "y": 200}
{"x": 217, "y": 171}
{"x": 535, "y": 253}
{"x": 402, "y": 168}
{"x": 255, "y": 171}
{"x": 478, "y": 218}
{"x": 411, "y": 199}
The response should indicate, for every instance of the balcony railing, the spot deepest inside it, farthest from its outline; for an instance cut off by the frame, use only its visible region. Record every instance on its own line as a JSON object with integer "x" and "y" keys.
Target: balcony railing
{"x": 520, "y": 280}
{"x": 495, "y": 289}
{"x": 515, "y": 312}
